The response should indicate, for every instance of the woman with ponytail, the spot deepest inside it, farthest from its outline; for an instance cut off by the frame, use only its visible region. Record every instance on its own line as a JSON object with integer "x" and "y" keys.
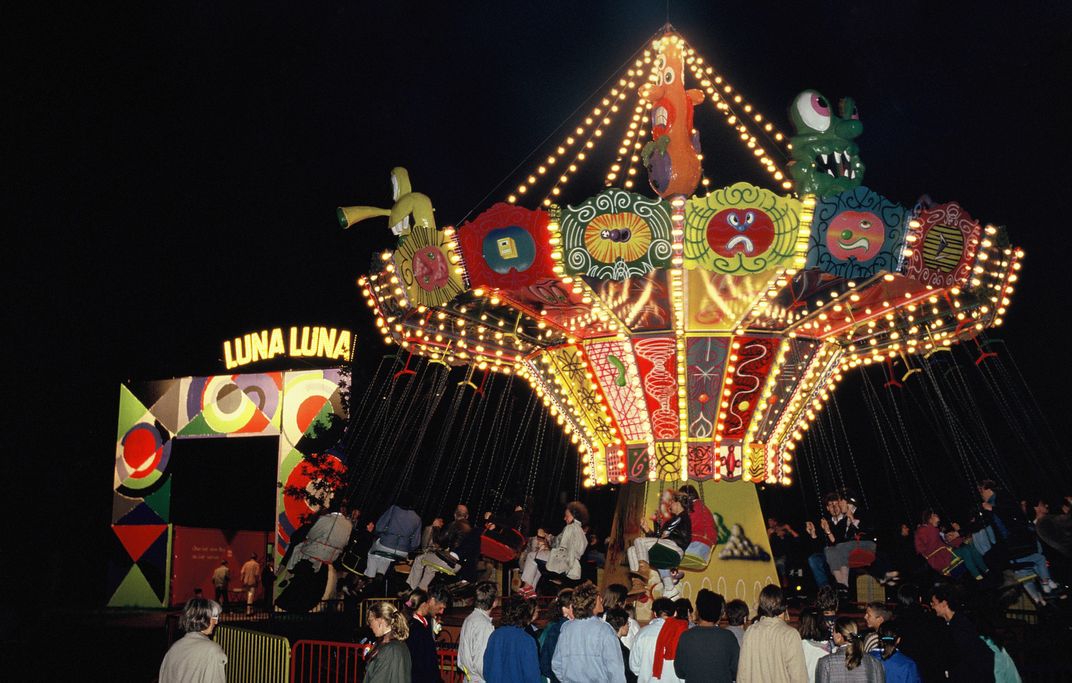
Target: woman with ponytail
{"x": 849, "y": 663}
{"x": 389, "y": 660}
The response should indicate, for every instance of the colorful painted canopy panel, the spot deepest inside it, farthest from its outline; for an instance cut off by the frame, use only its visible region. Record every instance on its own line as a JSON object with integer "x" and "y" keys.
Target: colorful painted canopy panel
{"x": 506, "y": 247}
{"x": 615, "y": 235}
{"x": 616, "y": 370}
{"x": 642, "y": 304}
{"x": 706, "y": 364}
{"x": 751, "y": 359}
{"x": 425, "y": 267}
{"x": 740, "y": 229}
{"x": 857, "y": 234}
{"x": 302, "y": 409}
{"x": 717, "y": 302}
{"x": 657, "y": 366}
{"x": 944, "y": 246}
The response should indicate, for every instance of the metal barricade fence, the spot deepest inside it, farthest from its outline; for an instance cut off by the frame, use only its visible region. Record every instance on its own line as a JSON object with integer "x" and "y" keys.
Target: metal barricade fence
{"x": 320, "y": 661}
{"x": 448, "y": 665}
{"x": 254, "y": 657}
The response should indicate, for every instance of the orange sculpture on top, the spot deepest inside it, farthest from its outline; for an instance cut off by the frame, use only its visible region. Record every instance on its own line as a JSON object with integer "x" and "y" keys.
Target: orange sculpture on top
{"x": 673, "y": 155}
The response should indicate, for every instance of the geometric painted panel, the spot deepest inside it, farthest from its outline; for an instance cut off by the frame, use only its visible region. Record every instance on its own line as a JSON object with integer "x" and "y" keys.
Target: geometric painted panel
{"x": 615, "y": 235}
{"x": 506, "y": 247}
{"x": 754, "y": 359}
{"x": 705, "y": 366}
{"x": 856, "y": 234}
{"x": 944, "y": 247}
{"x": 655, "y": 359}
{"x": 302, "y": 409}
{"x": 740, "y": 229}
{"x": 617, "y": 375}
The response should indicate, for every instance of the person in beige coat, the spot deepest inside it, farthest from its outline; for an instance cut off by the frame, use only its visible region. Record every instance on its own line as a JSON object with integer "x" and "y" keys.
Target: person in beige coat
{"x": 771, "y": 651}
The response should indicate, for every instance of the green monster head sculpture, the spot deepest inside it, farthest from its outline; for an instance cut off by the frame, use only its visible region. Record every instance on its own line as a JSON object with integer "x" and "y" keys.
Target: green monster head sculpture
{"x": 825, "y": 158}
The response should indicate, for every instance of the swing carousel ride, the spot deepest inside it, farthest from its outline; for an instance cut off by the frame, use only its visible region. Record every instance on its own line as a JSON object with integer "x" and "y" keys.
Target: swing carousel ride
{"x": 690, "y": 335}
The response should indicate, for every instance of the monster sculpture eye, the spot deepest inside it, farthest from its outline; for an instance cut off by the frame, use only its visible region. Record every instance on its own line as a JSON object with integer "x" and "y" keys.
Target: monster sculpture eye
{"x": 668, "y": 76}
{"x": 813, "y": 110}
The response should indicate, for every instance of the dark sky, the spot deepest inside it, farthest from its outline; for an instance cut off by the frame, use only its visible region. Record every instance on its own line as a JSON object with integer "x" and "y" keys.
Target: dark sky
{"x": 178, "y": 165}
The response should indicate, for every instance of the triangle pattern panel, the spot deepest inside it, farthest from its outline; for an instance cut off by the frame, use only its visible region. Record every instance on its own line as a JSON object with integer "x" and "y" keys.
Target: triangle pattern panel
{"x": 131, "y": 411}
{"x": 160, "y": 501}
{"x": 153, "y": 565}
{"x": 142, "y": 515}
{"x": 166, "y": 404}
{"x": 118, "y": 566}
{"x": 121, "y": 505}
{"x": 137, "y": 538}
{"x": 135, "y": 591}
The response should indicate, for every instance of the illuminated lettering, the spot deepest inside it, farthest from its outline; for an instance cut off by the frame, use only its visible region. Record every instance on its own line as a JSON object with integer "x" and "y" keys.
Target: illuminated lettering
{"x": 307, "y": 341}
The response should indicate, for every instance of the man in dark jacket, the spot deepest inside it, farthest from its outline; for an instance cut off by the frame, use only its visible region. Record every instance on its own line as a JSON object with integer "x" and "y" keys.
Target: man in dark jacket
{"x": 421, "y": 642}
{"x": 924, "y": 637}
{"x": 970, "y": 660}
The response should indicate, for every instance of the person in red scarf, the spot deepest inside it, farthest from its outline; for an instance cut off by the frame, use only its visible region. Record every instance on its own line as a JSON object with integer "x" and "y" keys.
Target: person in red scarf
{"x": 655, "y": 645}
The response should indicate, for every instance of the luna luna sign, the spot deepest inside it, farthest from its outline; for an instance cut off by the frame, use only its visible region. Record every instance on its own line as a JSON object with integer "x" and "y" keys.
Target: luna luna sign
{"x": 304, "y": 342}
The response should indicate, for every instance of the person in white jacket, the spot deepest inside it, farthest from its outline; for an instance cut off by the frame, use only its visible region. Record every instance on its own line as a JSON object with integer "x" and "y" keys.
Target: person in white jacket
{"x": 476, "y": 629}
{"x": 564, "y": 555}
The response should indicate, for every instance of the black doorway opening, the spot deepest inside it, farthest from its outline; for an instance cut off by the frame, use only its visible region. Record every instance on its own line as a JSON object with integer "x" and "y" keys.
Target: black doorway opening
{"x": 224, "y": 483}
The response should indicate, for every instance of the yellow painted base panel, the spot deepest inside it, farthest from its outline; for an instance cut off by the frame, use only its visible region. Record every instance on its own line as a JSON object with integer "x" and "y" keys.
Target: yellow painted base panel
{"x": 735, "y": 502}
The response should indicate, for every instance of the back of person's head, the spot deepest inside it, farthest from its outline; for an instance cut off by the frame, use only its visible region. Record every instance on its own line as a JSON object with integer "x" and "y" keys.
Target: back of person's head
{"x": 614, "y": 595}
{"x": 663, "y": 607}
{"x": 736, "y": 612}
{"x": 396, "y": 619}
{"x": 437, "y": 590}
{"x": 617, "y": 617}
{"x": 417, "y": 597}
{"x": 888, "y": 634}
{"x": 879, "y": 610}
{"x": 584, "y": 600}
{"x": 563, "y": 600}
{"x": 579, "y": 511}
{"x": 198, "y": 614}
{"x": 690, "y": 491}
{"x": 771, "y": 601}
{"x": 709, "y": 606}
{"x": 826, "y": 600}
{"x": 485, "y": 594}
{"x": 947, "y": 593}
{"x": 854, "y": 647}
{"x": 908, "y": 596}
{"x": 811, "y": 626}
{"x": 516, "y": 611}
{"x": 683, "y": 608}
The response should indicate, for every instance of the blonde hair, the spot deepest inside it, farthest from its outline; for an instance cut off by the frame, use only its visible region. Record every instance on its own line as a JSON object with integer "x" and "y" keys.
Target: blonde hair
{"x": 382, "y": 609}
{"x": 854, "y": 650}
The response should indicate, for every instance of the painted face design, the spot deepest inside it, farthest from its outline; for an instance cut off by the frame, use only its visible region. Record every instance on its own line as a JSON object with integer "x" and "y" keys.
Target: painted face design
{"x": 430, "y": 269}
{"x": 749, "y": 232}
{"x": 825, "y": 159}
{"x": 509, "y": 249}
{"x": 855, "y": 234}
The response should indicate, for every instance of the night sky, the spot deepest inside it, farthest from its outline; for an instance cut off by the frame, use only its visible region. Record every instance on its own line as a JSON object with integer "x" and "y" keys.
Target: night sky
{"x": 178, "y": 167}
